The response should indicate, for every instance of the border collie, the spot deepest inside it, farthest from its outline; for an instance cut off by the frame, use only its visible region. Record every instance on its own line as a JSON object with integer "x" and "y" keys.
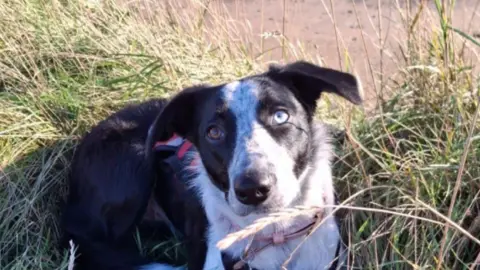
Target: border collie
{"x": 255, "y": 150}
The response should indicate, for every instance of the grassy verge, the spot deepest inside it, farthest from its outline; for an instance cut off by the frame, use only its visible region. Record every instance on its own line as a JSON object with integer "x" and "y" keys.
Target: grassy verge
{"x": 64, "y": 65}
{"x": 415, "y": 163}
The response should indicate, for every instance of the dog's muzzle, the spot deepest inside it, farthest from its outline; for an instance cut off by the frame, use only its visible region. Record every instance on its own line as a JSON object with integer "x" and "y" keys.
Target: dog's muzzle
{"x": 253, "y": 187}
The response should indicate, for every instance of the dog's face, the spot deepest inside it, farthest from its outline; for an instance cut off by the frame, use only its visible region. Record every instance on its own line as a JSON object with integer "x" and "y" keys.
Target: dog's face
{"x": 254, "y": 135}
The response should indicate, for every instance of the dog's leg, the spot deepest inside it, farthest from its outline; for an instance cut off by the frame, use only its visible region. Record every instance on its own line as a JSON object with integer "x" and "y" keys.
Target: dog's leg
{"x": 214, "y": 257}
{"x": 213, "y": 261}
{"x": 196, "y": 245}
{"x": 159, "y": 266}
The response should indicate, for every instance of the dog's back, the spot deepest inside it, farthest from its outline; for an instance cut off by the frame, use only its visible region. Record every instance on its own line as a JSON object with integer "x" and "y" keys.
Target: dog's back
{"x": 110, "y": 184}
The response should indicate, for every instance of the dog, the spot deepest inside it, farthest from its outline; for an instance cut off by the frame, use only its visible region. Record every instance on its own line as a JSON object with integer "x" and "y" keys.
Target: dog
{"x": 255, "y": 149}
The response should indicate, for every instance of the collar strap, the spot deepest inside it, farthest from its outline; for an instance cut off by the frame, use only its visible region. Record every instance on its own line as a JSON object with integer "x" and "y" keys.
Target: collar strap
{"x": 249, "y": 252}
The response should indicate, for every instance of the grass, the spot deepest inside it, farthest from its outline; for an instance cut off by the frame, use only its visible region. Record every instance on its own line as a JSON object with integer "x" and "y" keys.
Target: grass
{"x": 412, "y": 163}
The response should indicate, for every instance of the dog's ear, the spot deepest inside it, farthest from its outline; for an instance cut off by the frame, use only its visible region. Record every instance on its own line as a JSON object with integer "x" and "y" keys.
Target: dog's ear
{"x": 309, "y": 81}
{"x": 179, "y": 116}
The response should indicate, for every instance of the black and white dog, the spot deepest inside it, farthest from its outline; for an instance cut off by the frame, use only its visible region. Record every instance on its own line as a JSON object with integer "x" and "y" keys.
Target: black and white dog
{"x": 257, "y": 151}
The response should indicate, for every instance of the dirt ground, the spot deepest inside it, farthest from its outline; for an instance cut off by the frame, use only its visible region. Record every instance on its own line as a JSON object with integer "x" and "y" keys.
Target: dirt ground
{"x": 310, "y": 22}
{"x": 357, "y": 24}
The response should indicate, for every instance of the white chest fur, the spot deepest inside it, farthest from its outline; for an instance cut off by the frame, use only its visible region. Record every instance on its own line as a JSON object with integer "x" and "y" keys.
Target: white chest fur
{"x": 316, "y": 252}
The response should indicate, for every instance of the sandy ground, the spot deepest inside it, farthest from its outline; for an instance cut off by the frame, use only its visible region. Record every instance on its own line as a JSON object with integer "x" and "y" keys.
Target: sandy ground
{"x": 310, "y": 22}
{"x": 357, "y": 25}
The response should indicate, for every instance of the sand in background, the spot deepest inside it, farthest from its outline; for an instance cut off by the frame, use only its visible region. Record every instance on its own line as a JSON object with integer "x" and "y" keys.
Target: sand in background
{"x": 310, "y": 22}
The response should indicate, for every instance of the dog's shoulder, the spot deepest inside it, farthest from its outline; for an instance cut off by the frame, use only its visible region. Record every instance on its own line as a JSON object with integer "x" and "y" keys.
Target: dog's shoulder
{"x": 133, "y": 117}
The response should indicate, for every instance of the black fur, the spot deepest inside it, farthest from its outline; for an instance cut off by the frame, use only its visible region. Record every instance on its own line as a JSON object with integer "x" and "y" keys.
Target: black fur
{"x": 114, "y": 172}
{"x": 110, "y": 183}
{"x": 295, "y": 86}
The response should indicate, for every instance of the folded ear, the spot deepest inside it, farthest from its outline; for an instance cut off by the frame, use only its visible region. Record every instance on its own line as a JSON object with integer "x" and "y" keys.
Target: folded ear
{"x": 310, "y": 81}
{"x": 178, "y": 116}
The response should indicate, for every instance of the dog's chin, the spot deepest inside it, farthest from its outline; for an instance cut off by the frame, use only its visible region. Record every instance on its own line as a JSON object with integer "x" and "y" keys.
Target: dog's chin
{"x": 250, "y": 214}
{"x": 241, "y": 209}
{"x": 254, "y": 211}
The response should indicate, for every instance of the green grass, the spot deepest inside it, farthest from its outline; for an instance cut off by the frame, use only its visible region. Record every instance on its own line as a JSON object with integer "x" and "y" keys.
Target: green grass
{"x": 64, "y": 66}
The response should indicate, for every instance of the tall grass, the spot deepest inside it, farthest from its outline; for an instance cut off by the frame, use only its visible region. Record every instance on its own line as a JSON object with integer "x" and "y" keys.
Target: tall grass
{"x": 64, "y": 66}
{"x": 414, "y": 160}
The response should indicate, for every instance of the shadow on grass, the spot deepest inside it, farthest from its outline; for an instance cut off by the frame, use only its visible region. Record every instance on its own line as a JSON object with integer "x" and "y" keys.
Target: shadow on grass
{"x": 33, "y": 189}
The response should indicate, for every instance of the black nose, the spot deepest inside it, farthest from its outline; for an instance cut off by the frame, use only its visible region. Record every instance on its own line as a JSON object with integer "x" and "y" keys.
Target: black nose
{"x": 252, "y": 188}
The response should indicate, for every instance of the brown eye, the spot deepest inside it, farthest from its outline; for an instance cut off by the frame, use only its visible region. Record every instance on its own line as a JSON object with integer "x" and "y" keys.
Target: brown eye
{"x": 215, "y": 133}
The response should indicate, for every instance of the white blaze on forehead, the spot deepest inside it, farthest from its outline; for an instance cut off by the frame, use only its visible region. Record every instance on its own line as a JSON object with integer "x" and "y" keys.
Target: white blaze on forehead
{"x": 253, "y": 142}
{"x": 241, "y": 99}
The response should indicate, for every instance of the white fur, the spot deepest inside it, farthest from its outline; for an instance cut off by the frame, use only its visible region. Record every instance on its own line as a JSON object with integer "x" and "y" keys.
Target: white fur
{"x": 255, "y": 146}
{"x": 314, "y": 187}
{"x": 318, "y": 251}
{"x": 212, "y": 261}
{"x": 159, "y": 266}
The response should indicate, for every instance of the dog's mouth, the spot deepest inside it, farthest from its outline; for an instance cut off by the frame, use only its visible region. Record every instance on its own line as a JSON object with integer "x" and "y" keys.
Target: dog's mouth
{"x": 275, "y": 221}
{"x": 273, "y": 204}
{"x": 250, "y": 212}
{"x": 286, "y": 223}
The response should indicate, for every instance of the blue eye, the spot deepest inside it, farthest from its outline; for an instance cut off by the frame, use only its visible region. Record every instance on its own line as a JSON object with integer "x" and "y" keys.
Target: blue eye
{"x": 280, "y": 117}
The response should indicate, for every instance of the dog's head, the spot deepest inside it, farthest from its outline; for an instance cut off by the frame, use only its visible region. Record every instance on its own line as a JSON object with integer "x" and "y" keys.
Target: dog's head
{"x": 254, "y": 135}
